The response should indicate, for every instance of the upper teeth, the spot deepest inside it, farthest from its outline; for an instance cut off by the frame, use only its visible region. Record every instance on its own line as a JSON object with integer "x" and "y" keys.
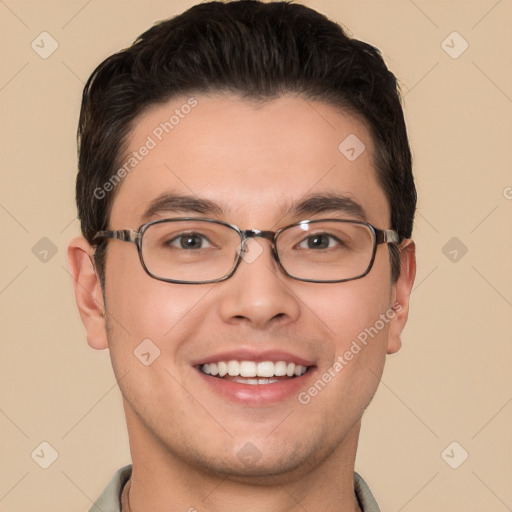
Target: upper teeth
{"x": 253, "y": 369}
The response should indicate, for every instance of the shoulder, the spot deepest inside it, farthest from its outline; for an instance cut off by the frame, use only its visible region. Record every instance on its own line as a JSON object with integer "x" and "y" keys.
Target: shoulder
{"x": 364, "y": 495}
{"x": 110, "y": 498}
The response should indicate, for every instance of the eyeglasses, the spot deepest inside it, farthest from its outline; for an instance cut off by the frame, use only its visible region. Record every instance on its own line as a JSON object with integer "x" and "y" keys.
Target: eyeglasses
{"x": 192, "y": 250}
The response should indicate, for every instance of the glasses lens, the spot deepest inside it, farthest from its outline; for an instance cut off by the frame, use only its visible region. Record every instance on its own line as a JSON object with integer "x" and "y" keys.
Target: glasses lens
{"x": 326, "y": 250}
{"x": 192, "y": 250}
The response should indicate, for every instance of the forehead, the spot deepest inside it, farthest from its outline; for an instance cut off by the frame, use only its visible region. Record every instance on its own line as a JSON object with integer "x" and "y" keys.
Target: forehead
{"x": 253, "y": 160}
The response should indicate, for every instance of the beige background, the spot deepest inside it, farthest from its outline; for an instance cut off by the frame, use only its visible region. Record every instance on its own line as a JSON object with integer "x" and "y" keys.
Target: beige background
{"x": 451, "y": 380}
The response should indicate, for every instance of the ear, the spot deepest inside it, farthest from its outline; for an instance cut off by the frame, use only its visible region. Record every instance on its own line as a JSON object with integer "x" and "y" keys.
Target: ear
{"x": 401, "y": 293}
{"x": 89, "y": 298}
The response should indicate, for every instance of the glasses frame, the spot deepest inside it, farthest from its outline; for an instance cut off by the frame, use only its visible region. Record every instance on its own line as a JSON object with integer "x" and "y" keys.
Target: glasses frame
{"x": 380, "y": 236}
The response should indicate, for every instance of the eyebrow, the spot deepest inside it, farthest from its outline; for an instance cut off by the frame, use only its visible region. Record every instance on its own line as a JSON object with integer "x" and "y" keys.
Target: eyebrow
{"x": 327, "y": 203}
{"x": 176, "y": 203}
{"x": 314, "y": 204}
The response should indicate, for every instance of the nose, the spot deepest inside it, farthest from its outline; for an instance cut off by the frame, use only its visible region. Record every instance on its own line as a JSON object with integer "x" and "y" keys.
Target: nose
{"x": 258, "y": 293}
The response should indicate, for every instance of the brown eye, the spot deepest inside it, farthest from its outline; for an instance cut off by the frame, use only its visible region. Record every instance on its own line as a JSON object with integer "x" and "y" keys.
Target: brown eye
{"x": 319, "y": 241}
{"x": 189, "y": 241}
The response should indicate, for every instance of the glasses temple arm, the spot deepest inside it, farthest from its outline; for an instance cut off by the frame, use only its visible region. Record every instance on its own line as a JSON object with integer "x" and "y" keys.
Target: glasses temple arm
{"x": 125, "y": 235}
{"x": 387, "y": 236}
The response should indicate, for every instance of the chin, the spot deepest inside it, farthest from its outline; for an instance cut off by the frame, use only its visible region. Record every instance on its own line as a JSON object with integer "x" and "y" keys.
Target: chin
{"x": 257, "y": 462}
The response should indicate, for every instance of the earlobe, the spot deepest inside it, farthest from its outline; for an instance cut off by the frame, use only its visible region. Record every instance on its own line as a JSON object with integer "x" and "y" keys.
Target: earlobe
{"x": 88, "y": 293}
{"x": 401, "y": 294}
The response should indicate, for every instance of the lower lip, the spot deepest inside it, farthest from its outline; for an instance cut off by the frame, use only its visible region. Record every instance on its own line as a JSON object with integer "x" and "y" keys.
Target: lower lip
{"x": 258, "y": 394}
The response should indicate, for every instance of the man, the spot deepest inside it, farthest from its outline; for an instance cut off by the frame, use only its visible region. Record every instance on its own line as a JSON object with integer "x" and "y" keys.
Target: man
{"x": 246, "y": 200}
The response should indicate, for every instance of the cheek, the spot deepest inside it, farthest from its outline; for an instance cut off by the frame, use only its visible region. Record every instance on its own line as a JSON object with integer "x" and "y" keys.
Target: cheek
{"x": 141, "y": 307}
{"x": 355, "y": 346}
{"x": 149, "y": 323}
{"x": 354, "y": 313}
{"x": 347, "y": 309}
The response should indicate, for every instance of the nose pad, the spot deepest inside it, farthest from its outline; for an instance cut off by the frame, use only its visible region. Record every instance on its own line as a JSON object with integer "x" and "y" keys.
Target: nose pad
{"x": 250, "y": 250}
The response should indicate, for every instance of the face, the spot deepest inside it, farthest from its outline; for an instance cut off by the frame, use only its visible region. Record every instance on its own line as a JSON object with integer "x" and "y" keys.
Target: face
{"x": 253, "y": 162}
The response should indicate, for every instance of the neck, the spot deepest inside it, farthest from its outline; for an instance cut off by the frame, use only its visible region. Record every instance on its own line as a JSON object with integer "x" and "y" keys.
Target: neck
{"x": 163, "y": 481}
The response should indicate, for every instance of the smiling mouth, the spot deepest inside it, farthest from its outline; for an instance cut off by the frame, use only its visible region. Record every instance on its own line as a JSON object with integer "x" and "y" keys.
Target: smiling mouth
{"x": 255, "y": 373}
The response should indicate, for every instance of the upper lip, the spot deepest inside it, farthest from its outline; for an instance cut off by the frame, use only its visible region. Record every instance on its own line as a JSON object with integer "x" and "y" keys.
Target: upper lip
{"x": 254, "y": 355}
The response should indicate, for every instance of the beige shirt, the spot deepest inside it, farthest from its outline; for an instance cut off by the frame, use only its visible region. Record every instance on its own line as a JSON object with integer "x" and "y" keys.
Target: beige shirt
{"x": 110, "y": 499}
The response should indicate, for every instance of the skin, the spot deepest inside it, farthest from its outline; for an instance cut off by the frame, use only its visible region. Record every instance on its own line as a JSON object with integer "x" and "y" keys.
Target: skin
{"x": 184, "y": 437}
